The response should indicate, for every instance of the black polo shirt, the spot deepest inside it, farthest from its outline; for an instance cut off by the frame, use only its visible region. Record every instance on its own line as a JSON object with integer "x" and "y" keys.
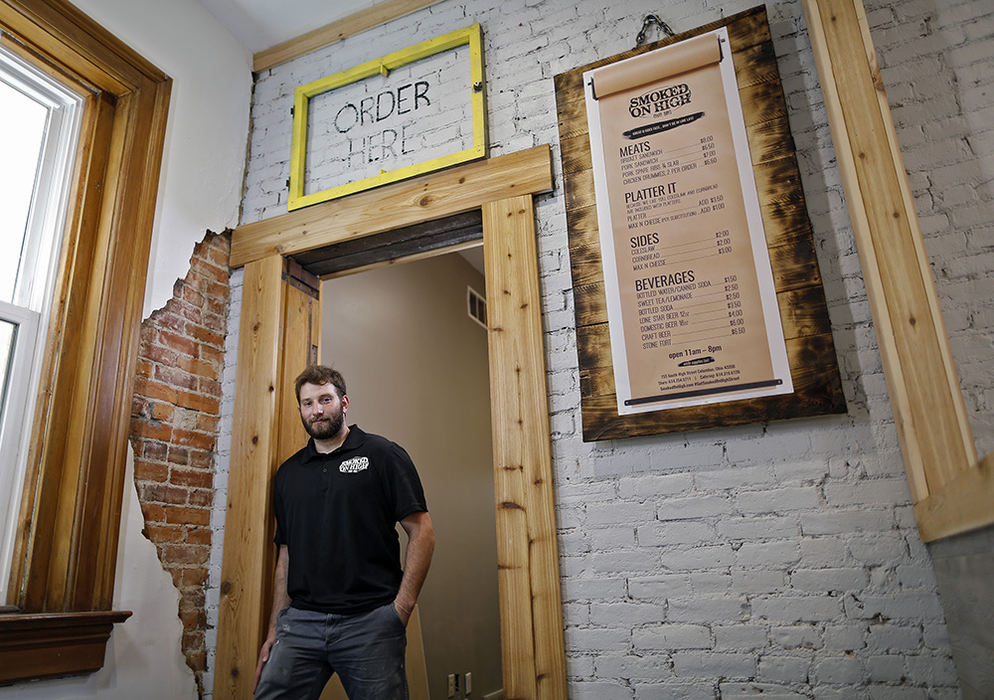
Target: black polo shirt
{"x": 337, "y": 515}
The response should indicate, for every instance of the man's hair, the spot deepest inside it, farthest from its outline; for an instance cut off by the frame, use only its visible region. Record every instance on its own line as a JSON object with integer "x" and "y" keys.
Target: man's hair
{"x": 320, "y": 375}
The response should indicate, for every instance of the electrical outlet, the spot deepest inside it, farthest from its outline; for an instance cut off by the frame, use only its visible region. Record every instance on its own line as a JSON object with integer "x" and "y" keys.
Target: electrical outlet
{"x": 468, "y": 683}
{"x": 452, "y": 685}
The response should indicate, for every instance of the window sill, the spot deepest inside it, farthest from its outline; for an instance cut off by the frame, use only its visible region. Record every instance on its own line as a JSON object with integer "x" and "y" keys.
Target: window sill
{"x": 42, "y": 645}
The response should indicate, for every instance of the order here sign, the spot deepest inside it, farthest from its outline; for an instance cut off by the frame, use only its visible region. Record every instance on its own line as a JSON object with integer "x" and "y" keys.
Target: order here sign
{"x": 405, "y": 114}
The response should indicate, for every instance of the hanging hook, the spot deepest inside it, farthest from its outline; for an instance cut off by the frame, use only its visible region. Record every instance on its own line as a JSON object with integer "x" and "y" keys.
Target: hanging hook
{"x": 648, "y": 22}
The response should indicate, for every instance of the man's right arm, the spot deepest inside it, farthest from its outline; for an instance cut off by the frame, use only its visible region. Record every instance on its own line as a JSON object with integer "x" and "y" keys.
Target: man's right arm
{"x": 281, "y": 600}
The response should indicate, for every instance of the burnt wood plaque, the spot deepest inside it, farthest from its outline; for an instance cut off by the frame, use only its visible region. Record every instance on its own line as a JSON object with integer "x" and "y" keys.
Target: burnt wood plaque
{"x": 800, "y": 297}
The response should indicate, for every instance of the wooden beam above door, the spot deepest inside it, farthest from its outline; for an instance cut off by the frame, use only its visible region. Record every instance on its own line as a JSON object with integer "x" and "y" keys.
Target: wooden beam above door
{"x": 453, "y": 191}
{"x": 410, "y": 242}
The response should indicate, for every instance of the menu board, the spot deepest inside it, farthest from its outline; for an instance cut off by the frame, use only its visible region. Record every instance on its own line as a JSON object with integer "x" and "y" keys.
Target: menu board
{"x": 692, "y": 310}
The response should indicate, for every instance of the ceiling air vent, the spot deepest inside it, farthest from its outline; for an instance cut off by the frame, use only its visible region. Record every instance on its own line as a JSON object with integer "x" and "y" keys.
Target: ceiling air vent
{"x": 476, "y": 306}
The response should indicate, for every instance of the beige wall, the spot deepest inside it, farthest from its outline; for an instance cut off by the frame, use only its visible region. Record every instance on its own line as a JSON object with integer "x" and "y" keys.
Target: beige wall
{"x": 416, "y": 370}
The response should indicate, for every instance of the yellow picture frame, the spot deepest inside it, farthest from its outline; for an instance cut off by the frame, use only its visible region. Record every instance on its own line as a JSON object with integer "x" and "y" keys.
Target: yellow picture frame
{"x": 471, "y": 36}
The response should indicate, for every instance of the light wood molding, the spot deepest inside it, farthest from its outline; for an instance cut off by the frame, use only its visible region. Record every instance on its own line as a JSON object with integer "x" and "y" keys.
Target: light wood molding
{"x": 534, "y": 659}
{"x": 380, "y": 13}
{"x": 278, "y": 336}
{"x": 929, "y": 411}
{"x": 453, "y": 191}
{"x": 527, "y": 555}
{"x": 254, "y": 452}
{"x": 301, "y": 330}
{"x": 962, "y": 505}
{"x": 300, "y": 343}
{"x": 66, "y": 553}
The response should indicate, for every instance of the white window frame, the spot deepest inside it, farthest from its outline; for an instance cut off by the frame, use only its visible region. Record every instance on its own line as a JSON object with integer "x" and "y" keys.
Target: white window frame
{"x": 13, "y": 434}
{"x": 35, "y": 282}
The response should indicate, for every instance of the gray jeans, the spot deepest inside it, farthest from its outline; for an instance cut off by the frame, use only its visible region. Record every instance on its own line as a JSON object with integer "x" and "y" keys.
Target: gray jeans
{"x": 365, "y": 650}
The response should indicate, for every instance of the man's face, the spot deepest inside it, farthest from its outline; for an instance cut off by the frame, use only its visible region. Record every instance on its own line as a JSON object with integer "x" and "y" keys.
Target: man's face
{"x": 322, "y": 411}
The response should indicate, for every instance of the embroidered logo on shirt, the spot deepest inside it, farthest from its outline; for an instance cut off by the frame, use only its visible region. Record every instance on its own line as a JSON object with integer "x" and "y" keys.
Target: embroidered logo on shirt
{"x": 356, "y": 464}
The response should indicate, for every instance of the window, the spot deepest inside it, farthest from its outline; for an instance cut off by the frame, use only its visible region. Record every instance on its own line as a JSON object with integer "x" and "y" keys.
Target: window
{"x": 60, "y": 589}
{"x": 40, "y": 126}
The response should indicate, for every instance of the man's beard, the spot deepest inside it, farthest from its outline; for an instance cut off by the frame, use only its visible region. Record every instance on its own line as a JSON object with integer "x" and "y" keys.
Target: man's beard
{"x": 328, "y": 428}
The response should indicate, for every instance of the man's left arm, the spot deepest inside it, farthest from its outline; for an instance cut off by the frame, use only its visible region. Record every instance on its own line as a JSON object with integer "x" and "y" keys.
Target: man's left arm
{"x": 420, "y": 545}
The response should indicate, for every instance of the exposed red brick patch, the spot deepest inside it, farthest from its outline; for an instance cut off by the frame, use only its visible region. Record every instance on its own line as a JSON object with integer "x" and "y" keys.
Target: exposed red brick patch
{"x": 174, "y": 427}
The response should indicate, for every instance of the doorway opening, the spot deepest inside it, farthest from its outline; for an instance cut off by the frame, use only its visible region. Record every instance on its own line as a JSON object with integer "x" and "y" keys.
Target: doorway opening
{"x": 277, "y": 330}
{"x": 416, "y": 366}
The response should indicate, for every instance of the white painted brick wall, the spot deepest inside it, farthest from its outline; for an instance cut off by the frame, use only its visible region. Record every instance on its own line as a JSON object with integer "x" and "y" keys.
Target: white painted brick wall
{"x": 765, "y": 561}
{"x": 222, "y": 466}
{"x": 946, "y": 127}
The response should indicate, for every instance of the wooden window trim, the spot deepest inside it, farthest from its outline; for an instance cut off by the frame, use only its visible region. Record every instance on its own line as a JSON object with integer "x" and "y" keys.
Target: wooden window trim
{"x": 62, "y": 578}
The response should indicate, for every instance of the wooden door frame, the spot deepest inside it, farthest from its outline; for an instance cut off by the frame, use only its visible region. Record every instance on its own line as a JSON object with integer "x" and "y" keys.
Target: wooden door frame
{"x": 533, "y": 650}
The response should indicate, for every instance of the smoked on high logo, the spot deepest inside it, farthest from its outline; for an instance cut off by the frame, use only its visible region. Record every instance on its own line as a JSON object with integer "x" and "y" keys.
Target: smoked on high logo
{"x": 660, "y": 100}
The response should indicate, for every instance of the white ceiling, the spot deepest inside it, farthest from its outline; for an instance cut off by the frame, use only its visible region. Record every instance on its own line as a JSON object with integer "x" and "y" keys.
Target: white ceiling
{"x": 261, "y": 24}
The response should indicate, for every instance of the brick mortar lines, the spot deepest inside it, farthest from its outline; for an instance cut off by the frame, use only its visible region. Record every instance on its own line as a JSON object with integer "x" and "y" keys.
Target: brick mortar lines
{"x": 174, "y": 431}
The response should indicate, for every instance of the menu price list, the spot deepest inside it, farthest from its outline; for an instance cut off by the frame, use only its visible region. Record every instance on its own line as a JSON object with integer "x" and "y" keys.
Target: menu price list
{"x": 687, "y": 302}
{"x": 678, "y": 307}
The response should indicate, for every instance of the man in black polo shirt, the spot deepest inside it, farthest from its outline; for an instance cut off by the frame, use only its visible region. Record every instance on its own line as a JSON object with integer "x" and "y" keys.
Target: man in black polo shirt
{"x": 340, "y": 600}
